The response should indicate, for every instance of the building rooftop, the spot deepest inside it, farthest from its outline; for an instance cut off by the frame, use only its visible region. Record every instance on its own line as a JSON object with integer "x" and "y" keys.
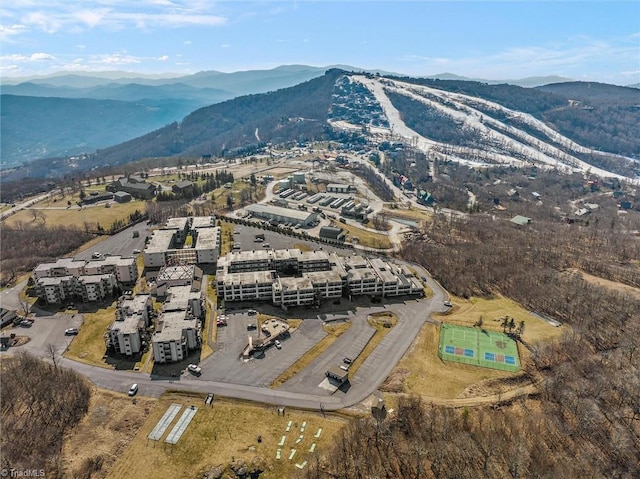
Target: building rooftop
{"x": 171, "y": 324}
{"x": 179, "y": 298}
{"x": 203, "y": 222}
{"x": 161, "y": 241}
{"x": 298, "y": 215}
{"x": 176, "y": 223}
{"x": 520, "y": 220}
{"x": 135, "y": 304}
{"x": 246, "y": 278}
{"x": 182, "y": 271}
{"x": 208, "y": 238}
{"x": 128, "y": 324}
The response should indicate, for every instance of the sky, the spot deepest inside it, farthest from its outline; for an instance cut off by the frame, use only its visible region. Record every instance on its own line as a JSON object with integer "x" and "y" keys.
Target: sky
{"x": 582, "y": 40}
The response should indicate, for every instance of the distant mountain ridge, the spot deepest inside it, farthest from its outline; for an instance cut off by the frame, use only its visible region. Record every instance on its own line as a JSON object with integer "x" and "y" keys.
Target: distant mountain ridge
{"x": 580, "y": 115}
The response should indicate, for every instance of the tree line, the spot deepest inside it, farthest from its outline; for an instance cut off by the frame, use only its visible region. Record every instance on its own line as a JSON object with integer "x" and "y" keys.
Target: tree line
{"x": 41, "y": 402}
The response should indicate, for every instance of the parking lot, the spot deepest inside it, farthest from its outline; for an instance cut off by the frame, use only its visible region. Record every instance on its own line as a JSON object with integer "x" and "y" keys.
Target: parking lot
{"x": 47, "y": 330}
{"x": 246, "y": 238}
{"x": 122, "y": 244}
{"x": 225, "y": 365}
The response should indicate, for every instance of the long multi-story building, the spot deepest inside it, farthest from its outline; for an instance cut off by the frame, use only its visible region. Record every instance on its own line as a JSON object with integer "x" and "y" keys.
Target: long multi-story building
{"x": 295, "y": 278}
{"x": 88, "y": 288}
{"x": 170, "y": 242}
{"x": 123, "y": 268}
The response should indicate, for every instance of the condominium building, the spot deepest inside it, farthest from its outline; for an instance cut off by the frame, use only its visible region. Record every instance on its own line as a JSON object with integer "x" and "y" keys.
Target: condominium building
{"x": 295, "y": 278}
{"x": 193, "y": 240}
{"x": 131, "y": 320}
{"x": 179, "y": 326}
{"x": 124, "y": 268}
{"x": 90, "y": 288}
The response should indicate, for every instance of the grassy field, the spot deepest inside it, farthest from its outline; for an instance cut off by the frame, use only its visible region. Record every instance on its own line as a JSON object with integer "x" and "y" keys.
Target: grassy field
{"x": 224, "y": 433}
{"x": 333, "y": 332}
{"x": 74, "y": 216}
{"x": 365, "y": 237}
{"x": 112, "y": 421}
{"x": 226, "y": 237}
{"x": 89, "y": 345}
{"x": 422, "y": 372}
{"x": 468, "y": 312}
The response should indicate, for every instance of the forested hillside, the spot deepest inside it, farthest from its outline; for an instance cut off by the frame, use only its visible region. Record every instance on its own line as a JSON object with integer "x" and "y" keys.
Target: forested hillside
{"x": 584, "y": 421}
{"x": 299, "y": 112}
{"x": 33, "y": 127}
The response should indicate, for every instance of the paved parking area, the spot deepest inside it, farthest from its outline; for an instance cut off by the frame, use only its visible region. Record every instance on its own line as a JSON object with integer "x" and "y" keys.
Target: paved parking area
{"x": 246, "y": 237}
{"x": 47, "y": 330}
{"x": 121, "y": 244}
{"x": 225, "y": 364}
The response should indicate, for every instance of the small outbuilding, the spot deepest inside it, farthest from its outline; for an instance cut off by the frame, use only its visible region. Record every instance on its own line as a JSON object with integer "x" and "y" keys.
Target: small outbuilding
{"x": 520, "y": 220}
{"x": 122, "y": 197}
{"x": 332, "y": 233}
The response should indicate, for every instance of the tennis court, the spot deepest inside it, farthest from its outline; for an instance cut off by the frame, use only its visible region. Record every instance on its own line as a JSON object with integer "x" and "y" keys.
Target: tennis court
{"x": 478, "y": 347}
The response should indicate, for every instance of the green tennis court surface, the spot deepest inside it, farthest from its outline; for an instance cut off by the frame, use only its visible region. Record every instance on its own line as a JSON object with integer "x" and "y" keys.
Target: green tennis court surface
{"x": 487, "y": 349}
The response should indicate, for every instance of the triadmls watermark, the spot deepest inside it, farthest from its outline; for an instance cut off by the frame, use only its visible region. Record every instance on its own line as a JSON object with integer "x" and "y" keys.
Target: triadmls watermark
{"x": 11, "y": 472}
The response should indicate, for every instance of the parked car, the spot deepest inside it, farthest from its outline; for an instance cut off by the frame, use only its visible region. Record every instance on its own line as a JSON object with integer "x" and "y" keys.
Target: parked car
{"x": 136, "y": 251}
{"x": 133, "y": 390}
{"x": 26, "y": 323}
{"x": 194, "y": 368}
{"x": 344, "y": 367}
{"x": 221, "y": 322}
{"x": 71, "y": 331}
{"x": 266, "y": 245}
{"x": 96, "y": 255}
{"x": 251, "y": 326}
{"x": 347, "y": 360}
{"x": 277, "y": 344}
{"x": 448, "y": 304}
{"x": 252, "y": 312}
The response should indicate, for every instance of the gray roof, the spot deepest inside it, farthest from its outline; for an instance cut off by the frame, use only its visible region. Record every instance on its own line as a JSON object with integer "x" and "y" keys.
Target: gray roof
{"x": 297, "y": 215}
{"x": 331, "y": 232}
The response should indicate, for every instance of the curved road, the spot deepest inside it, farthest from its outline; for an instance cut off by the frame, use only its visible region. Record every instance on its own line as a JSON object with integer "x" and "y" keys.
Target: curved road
{"x": 368, "y": 378}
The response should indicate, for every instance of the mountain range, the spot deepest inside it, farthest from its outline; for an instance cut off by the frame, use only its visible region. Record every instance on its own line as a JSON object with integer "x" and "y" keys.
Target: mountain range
{"x": 33, "y": 129}
{"x": 570, "y": 125}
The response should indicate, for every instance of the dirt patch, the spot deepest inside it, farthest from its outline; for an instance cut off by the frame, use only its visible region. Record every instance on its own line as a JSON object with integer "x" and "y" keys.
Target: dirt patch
{"x": 605, "y": 283}
{"x": 491, "y": 387}
{"x": 395, "y": 381}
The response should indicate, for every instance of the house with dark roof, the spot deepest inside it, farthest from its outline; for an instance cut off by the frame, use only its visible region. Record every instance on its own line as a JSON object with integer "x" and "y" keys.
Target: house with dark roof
{"x": 332, "y": 233}
{"x": 182, "y": 188}
{"x": 135, "y": 186}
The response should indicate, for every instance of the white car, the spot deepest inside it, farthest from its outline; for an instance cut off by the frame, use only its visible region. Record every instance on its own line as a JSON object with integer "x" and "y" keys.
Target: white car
{"x": 194, "y": 368}
{"x": 133, "y": 390}
{"x": 277, "y": 344}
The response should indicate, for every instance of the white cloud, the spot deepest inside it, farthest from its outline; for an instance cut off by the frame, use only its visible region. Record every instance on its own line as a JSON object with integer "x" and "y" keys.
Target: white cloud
{"x": 112, "y": 14}
{"x": 6, "y": 32}
{"x": 225, "y": 45}
{"x": 116, "y": 59}
{"x": 187, "y": 42}
{"x": 34, "y": 57}
{"x": 163, "y": 58}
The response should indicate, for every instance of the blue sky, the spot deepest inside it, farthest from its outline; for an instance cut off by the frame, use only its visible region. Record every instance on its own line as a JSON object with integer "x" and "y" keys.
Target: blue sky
{"x": 583, "y": 40}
